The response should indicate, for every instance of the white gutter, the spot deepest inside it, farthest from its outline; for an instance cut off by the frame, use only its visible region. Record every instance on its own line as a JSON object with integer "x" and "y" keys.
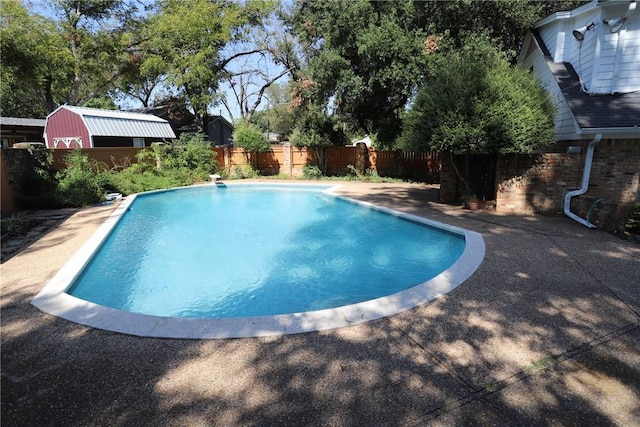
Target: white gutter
{"x": 585, "y": 184}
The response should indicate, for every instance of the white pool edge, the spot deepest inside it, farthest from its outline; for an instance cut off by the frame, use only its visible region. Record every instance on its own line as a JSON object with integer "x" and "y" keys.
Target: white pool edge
{"x": 54, "y": 300}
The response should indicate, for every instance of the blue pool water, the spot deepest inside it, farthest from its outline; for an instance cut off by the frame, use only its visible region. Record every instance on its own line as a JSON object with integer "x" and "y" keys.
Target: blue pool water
{"x": 244, "y": 251}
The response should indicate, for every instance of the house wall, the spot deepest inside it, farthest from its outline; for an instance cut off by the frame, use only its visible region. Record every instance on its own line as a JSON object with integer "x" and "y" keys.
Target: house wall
{"x": 119, "y": 141}
{"x": 606, "y": 62}
{"x": 65, "y": 129}
{"x": 626, "y": 70}
{"x": 11, "y": 134}
{"x": 219, "y": 133}
{"x": 565, "y": 124}
{"x": 538, "y": 183}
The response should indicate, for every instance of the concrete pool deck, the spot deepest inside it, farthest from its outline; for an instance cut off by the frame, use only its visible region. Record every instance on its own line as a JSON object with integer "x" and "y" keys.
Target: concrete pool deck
{"x": 547, "y": 331}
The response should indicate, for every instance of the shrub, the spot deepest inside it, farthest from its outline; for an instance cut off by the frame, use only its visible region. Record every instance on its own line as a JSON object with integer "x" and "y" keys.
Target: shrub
{"x": 83, "y": 182}
{"x": 311, "y": 172}
{"x": 250, "y": 137}
{"x": 244, "y": 172}
{"x": 39, "y": 181}
{"x": 186, "y": 161}
{"x": 189, "y": 152}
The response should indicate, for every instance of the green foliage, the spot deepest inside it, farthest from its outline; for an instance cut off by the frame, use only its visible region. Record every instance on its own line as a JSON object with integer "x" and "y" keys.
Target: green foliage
{"x": 186, "y": 161}
{"x": 369, "y": 175}
{"x": 35, "y": 64}
{"x": 473, "y": 101}
{"x": 278, "y": 119}
{"x": 250, "y": 137}
{"x": 82, "y": 182}
{"x": 17, "y": 225}
{"x": 369, "y": 66}
{"x": 505, "y": 20}
{"x": 189, "y": 154}
{"x": 311, "y": 172}
{"x": 140, "y": 178}
{"x": 309, "y": 138}
{"x": 369, "y": 58}
{"x": 186, "y": 40}
{"x": 101, "y": 102}
{"x": 38, "y": 182}
{"x": 244, "y": 172}
{"x": 317, "y": 131}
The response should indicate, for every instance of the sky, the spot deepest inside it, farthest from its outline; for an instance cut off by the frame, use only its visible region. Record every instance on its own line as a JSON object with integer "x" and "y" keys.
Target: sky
{"x": 265, "y": 64}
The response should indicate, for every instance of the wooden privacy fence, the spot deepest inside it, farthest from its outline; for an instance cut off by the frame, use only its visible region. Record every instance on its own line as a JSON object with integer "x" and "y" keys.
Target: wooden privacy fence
{"x": 288, "y": 160}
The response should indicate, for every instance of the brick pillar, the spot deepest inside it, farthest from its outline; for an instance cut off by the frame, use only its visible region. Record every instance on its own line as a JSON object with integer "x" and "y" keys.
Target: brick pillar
{"x": 287, "y": 166}
{"x": 227, "y": 158}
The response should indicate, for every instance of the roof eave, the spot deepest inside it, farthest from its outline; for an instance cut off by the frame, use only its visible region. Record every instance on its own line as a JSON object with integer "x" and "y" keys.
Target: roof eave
{"x": 612, "y": 132}
{"x": 559, "y": 16}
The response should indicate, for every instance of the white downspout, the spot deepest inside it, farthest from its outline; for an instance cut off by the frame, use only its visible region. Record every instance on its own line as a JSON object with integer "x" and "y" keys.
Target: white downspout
{"x": 585, "y": 184}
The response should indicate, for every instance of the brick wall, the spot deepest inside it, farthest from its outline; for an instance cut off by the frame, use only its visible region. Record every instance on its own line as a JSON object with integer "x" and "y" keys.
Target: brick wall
{"x": 528, "y": 184}
{"x": 538, "y": 183}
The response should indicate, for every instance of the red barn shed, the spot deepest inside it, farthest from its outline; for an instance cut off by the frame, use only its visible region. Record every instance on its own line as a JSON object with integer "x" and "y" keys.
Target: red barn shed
{"x": 81, "y": 127}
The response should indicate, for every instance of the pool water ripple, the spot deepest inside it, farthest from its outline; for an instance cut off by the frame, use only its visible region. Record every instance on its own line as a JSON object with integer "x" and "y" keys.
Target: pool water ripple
{"x": 261, "y": 252}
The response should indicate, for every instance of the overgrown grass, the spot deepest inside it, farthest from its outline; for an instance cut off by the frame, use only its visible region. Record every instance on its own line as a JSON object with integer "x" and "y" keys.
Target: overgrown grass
{"x": 186, "y": 161}
{"x": 17, "y": 225}
{"x": 183, "y": 162}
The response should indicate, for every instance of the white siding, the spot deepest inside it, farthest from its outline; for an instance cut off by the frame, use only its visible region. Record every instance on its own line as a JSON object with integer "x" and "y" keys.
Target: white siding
{"x": 618, "y": 64}
{"x": 606, "y": 62}
{"x": 566, "y": 126}
{"x": 549, "y": 35}
{"x": 629, "y": 66}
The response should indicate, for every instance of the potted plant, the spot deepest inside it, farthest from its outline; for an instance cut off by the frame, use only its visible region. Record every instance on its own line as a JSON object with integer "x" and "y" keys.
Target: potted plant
{"x": 474, "y": 203}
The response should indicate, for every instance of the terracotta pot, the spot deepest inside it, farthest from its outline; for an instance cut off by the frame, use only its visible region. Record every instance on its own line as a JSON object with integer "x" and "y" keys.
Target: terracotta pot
{"x": 480, "y": 205}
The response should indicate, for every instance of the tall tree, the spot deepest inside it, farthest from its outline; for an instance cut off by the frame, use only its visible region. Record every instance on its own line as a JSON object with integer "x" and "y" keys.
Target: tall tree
{"x": 94, "y": 30}
{"x": 188, "y": 40}
{"x": 35, "y": 65}
{"x": 367, "y": 58}
{"x": 364, "y": 56}
{"x": 506, "y": 21}
{"x": 71, "y": 59}
{"x": 474, "y": 102}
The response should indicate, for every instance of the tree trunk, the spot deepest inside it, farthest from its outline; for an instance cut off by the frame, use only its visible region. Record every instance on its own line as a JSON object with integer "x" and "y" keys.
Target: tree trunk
{"x": 464, "y": 179}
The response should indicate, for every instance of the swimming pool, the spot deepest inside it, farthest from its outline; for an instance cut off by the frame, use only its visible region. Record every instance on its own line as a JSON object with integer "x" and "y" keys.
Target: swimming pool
{"x": 311, "y": 271}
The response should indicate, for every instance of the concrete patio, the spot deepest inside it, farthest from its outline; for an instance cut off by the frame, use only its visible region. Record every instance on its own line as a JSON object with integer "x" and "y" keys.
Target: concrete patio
{"x": 546, "y": 332}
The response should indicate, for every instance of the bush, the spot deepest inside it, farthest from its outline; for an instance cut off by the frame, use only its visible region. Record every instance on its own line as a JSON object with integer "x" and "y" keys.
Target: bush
{"x": 83, "y": 182}
{"x": 311, "y": 172}
{"x": 39, "y": 182}
{"x": 191, "y": 153}
{"x": 250, "y": 137}
{"x": 244, "y": 172}
{"x": 186, "y": 161}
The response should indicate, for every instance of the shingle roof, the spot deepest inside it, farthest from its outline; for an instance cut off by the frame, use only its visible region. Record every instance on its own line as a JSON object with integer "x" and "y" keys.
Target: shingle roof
{"x": 19, "y": 121}
{"x": 593, "y": 111}
{"x": 596, "y": 111}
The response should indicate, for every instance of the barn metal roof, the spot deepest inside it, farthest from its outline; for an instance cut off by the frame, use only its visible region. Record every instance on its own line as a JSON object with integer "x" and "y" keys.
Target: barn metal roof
{"x": 122, "y": 123}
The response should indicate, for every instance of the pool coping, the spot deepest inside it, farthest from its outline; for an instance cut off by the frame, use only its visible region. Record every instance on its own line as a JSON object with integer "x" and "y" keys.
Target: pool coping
{"x": 54, "y": 300}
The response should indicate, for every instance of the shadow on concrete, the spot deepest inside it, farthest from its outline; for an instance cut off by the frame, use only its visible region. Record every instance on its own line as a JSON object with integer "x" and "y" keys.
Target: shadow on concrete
{"x": 546, "y": 332}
